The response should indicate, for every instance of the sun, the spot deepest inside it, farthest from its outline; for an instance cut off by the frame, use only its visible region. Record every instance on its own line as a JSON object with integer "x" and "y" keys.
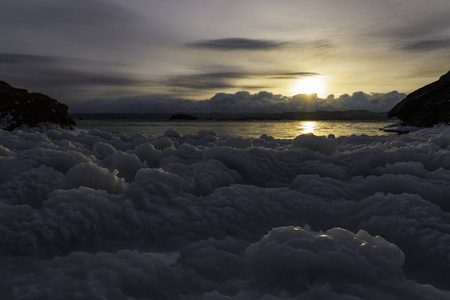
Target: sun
{"x": 310, "y": 85}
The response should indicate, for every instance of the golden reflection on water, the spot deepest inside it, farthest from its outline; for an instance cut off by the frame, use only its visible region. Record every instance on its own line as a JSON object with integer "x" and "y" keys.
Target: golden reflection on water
{"x": 307, "y": 127}
{"x": 249, "y": 129}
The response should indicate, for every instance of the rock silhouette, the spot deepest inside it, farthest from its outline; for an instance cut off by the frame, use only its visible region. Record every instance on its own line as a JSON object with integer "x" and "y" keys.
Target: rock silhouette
{"x": 426, "y": 106}
{"x": 18, "y": 107}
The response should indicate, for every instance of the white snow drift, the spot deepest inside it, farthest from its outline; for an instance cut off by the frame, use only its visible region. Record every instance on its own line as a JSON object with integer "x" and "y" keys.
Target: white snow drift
{"x": 95, "y": 215}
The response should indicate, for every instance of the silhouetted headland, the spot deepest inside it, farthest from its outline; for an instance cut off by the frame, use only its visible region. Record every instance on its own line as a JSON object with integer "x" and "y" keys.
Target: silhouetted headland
{"x": 426, "y": 106}
{"x": 18, "y": 108}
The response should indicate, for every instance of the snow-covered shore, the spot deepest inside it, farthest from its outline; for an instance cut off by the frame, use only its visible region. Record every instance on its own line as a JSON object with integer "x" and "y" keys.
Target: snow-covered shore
{"x": 95, "y": 215}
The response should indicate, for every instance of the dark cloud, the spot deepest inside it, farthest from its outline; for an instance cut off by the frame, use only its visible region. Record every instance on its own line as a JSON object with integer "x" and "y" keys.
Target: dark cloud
{"x": 306, "y": 74}
{"x": 377, "y": 102}
{"x": 20, "y": 59}
{"x": 238, "y": 44}
{"x": 36, "y": 70}
{"x": 427, "y": 45}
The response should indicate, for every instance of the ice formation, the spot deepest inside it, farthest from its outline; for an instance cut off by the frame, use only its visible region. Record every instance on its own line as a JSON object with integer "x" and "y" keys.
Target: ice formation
{"x": 95, "y": 215}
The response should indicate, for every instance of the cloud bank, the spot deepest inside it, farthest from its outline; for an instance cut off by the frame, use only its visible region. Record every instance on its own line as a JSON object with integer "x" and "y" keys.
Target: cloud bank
{"x": 240, "y": 102}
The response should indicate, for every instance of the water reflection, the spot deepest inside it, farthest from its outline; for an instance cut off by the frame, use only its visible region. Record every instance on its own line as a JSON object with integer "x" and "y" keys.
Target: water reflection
{"x": 277, "y": 129}
{"x": 307, "y": 127}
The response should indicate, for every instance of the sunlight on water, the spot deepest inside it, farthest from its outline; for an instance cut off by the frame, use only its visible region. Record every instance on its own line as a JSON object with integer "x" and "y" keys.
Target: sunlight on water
{"x": 308, "y": 127}
{"x": 253, "y": 129}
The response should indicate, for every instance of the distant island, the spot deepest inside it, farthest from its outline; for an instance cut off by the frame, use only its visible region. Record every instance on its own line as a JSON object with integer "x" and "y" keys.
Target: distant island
{"x": 300, "y": 116}
{"x": 183, "y": 117}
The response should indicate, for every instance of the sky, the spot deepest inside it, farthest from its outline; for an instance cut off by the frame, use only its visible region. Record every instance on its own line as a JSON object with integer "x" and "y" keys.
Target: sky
{"x": 108, "y": 55}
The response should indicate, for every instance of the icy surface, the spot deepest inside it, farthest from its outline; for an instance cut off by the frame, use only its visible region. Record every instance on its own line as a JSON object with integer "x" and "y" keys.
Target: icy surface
{"x": 95, "y": 215}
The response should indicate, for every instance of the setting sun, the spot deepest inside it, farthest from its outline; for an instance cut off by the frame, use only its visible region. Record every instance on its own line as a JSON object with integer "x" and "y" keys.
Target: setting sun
{"x": 310, "y": 85}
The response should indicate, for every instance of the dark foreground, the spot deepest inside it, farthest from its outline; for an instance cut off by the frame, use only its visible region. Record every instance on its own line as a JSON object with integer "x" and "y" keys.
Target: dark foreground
{"x": 95, "y": 215}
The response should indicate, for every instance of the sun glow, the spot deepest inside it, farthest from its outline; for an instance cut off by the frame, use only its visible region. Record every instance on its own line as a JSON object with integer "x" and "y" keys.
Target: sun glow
{"x": 310, "y": 85}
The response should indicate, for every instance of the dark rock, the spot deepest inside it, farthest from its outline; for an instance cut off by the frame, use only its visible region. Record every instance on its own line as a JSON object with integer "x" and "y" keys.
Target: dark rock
{"x": 427, "y": 106}
{"x": 18, "y": 108}
{"x": 183, "y": 117}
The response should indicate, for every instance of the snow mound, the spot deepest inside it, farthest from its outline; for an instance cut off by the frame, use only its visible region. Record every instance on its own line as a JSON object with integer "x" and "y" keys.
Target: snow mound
{"x": 93, "y": 176}
{"x": 294, "y": 259}
{"x": 315, "y": 143}
{"x": 97, "y": 215}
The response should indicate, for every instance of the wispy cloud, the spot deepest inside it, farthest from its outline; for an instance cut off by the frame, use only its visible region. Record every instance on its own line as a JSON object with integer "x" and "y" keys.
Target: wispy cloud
{"x": 36, "y": 70}
{"x": 303, "y": 74}
{"x": 205, "y": 81}
{"x": 66, "y": 79}
{"x": 427, "y": 45}
{"x": 19, "y": 59}
{"x": 238, "y": 44}
{"x": 294, "y": 75}
{"x": 423, "y": 33}
{"x": 229, "y": 79}
{"x": 420, "y": 26}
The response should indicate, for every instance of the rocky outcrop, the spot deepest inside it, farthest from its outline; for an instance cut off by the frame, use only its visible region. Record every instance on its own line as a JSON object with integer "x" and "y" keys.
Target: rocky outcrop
{"x": 18, "y": 107}
{"x": 427, "y": 106}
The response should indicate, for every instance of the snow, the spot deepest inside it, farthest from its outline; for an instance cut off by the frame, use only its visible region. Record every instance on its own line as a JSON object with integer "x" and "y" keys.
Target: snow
{"x": 327, "y": 146}
{"x": 96, "y": 215}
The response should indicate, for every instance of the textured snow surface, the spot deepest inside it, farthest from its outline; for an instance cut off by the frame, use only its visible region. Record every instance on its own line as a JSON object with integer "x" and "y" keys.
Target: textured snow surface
{"x": 95, "y": 215}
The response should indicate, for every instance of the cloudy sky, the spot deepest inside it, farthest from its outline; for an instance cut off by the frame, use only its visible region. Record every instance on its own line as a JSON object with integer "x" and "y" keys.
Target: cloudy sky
{"x": 91, "y": 53}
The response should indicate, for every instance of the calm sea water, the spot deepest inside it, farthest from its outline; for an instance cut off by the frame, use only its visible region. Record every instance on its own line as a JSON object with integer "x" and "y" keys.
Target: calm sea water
{"x": 254, "y": 129}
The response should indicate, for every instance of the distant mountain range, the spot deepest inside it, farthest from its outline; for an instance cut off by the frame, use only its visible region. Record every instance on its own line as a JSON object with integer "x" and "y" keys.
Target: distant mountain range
{"x": 304, "y": 116}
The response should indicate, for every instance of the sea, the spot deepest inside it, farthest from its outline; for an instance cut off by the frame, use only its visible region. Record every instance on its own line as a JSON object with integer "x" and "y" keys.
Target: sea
{"x": 282, "y": 129}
